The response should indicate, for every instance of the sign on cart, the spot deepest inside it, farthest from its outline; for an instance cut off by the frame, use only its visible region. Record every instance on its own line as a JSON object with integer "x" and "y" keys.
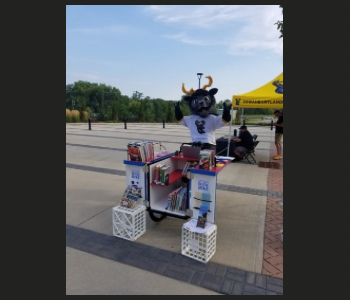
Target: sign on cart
{"x": 203, "y": 185}
{"x": 135, "y": 174}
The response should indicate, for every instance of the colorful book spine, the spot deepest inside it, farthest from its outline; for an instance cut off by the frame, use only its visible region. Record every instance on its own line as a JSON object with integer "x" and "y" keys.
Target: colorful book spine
{"x": 165, "y": 172}
{"x": 157, "y": 174}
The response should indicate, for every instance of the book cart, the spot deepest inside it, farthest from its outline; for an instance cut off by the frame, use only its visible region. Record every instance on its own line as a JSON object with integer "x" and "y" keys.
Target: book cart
{"x": 194, "y": 187}
{"x": 155, "y": 196}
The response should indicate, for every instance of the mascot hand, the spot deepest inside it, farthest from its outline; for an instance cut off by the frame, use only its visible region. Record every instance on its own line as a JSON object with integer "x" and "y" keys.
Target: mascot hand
{"x": 226, "y": 115}
{"x": 178, "y": 112}
{"x": 227, "y": 107}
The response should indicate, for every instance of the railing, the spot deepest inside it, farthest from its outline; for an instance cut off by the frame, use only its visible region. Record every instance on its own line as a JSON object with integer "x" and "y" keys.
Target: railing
{"x": 234, "y": 132}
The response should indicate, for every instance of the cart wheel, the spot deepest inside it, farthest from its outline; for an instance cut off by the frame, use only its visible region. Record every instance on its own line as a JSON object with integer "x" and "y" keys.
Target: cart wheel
{"x": 156, "y": 217}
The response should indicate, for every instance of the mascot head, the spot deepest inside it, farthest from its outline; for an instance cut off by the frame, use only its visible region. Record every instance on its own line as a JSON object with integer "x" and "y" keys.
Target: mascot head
{"x": 201, "y": 101}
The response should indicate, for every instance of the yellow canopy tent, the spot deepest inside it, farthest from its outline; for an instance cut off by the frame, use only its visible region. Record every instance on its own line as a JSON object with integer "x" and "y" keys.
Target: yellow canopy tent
{"x": 269, "y": 95}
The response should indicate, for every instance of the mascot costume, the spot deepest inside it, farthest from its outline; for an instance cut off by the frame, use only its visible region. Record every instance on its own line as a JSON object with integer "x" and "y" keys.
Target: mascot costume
{"x": 202, "y": 122}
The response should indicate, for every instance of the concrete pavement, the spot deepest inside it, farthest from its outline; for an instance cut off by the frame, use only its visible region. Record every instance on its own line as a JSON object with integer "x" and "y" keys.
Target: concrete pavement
{"x": 95, "y": 179}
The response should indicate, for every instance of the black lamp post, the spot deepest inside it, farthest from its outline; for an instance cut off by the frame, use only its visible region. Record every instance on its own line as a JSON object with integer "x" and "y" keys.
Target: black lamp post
{"x": 199, "y": 77}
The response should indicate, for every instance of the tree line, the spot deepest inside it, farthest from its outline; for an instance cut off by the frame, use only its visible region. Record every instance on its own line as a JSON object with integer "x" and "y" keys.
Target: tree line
{"x": 106, "y": 103}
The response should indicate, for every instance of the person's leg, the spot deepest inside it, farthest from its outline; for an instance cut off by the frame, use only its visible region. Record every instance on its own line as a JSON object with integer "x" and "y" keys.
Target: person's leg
{"x": 239, "y": 151}
{"x": 279, "y": 149}
{"x": 280, "y": 144}
{"x": 278, "y": 138}
{"x": 237, "y": 154}
{"x": 276, "y": 144}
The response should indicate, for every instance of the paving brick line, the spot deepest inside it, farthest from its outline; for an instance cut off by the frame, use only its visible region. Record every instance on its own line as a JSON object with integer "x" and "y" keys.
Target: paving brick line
{"x": 224, "y": 187}
{"x": 213, "y": 276}
{"x": 120, "y": 149}
{"x": 174, "y": 131}
{"x": 96, "y": 147}
{"x": 95, "y": 169}
{"x": 126, "y": 138}
{"x": 118, "y": 137}
{"x": 273, "y": 246}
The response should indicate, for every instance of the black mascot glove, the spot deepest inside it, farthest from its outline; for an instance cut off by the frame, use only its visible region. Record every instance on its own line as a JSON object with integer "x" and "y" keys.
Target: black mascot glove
{"x": 226, "y": 116}
{"x": 178, "y": 113}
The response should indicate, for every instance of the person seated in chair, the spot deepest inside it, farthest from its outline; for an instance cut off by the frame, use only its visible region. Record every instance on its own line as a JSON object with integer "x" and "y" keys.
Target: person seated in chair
{"x": 243, "y": 143}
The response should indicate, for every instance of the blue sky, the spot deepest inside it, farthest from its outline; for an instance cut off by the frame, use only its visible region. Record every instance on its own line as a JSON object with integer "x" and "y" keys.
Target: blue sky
{"x": 153, "y": 49}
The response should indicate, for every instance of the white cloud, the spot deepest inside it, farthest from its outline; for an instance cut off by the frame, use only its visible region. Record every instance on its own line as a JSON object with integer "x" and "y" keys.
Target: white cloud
{"x": 115, "y": 29}
{"x": 244, "y": 29}
{"x": 205, "y": 16}
{"x": 184, "y": 38}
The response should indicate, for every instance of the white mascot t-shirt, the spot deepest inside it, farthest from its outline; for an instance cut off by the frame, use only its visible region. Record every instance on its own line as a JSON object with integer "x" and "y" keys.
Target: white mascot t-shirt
{"x": 202, "y": 129}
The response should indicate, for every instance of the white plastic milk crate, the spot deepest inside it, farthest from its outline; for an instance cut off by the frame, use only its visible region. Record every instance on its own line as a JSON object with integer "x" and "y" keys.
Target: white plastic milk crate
{"x": 198, "y": 243}
{"x": 129, "y": 223}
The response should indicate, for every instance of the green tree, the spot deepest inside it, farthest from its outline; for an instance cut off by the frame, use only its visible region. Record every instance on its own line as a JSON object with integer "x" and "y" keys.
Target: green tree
{"x": 123, "y": 108}
{"x": 280, "y": 24}
{"x": 109, "y": 105}
{"x": 135, "y": 109}
{"x": 170, "y": 112}
{"x": 115, "y": 97}
{"x": 185, "y": 109}
{"x": 220, "y": 104}
{"x": 137, "y": 95}
{"x": 159, "y": 108}
{"x": 149, "y": 110}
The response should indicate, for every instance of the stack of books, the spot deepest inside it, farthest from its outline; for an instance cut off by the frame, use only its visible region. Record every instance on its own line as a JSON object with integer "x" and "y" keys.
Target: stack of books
{"x": 188, "y": 165}
{"x": 161, "y": 174}
{"x": 130, "y": 196}
{"x": 177, "y": 200}
{"x": 140, "y": 151}
{"x": 206, "y": 159}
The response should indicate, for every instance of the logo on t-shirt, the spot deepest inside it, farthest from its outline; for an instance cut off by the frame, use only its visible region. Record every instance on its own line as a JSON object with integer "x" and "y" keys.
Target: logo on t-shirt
{"x": 200, "y": 126}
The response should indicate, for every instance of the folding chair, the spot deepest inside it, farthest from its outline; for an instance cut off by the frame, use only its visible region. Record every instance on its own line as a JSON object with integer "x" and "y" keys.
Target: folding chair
{"x": 254, "y": 136}
{"x": 250, "y": 153}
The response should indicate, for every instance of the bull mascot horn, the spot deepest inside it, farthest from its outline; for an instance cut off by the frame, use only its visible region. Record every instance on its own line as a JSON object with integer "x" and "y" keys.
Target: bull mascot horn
{"x": 191, "y": 91}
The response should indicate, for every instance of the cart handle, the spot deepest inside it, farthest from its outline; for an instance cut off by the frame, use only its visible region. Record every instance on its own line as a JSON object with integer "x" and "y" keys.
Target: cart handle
{"x": 197, "y": 144}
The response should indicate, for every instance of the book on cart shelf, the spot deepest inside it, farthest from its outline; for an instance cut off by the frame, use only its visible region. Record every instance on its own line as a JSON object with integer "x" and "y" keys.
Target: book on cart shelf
{"x": 206, "y": 159}
{"x": 177, "y": 200}
{"x": 130, "y": 196}
{"x": 164, "y": 175}
{"x": 202, "y": 216}
{"x": 161, "y": 174}
{"x": 140, "y": 151}
{"x": 188, "y": 166}
{"x": 156, "y": 173}
{"x": 134, "y": 153}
